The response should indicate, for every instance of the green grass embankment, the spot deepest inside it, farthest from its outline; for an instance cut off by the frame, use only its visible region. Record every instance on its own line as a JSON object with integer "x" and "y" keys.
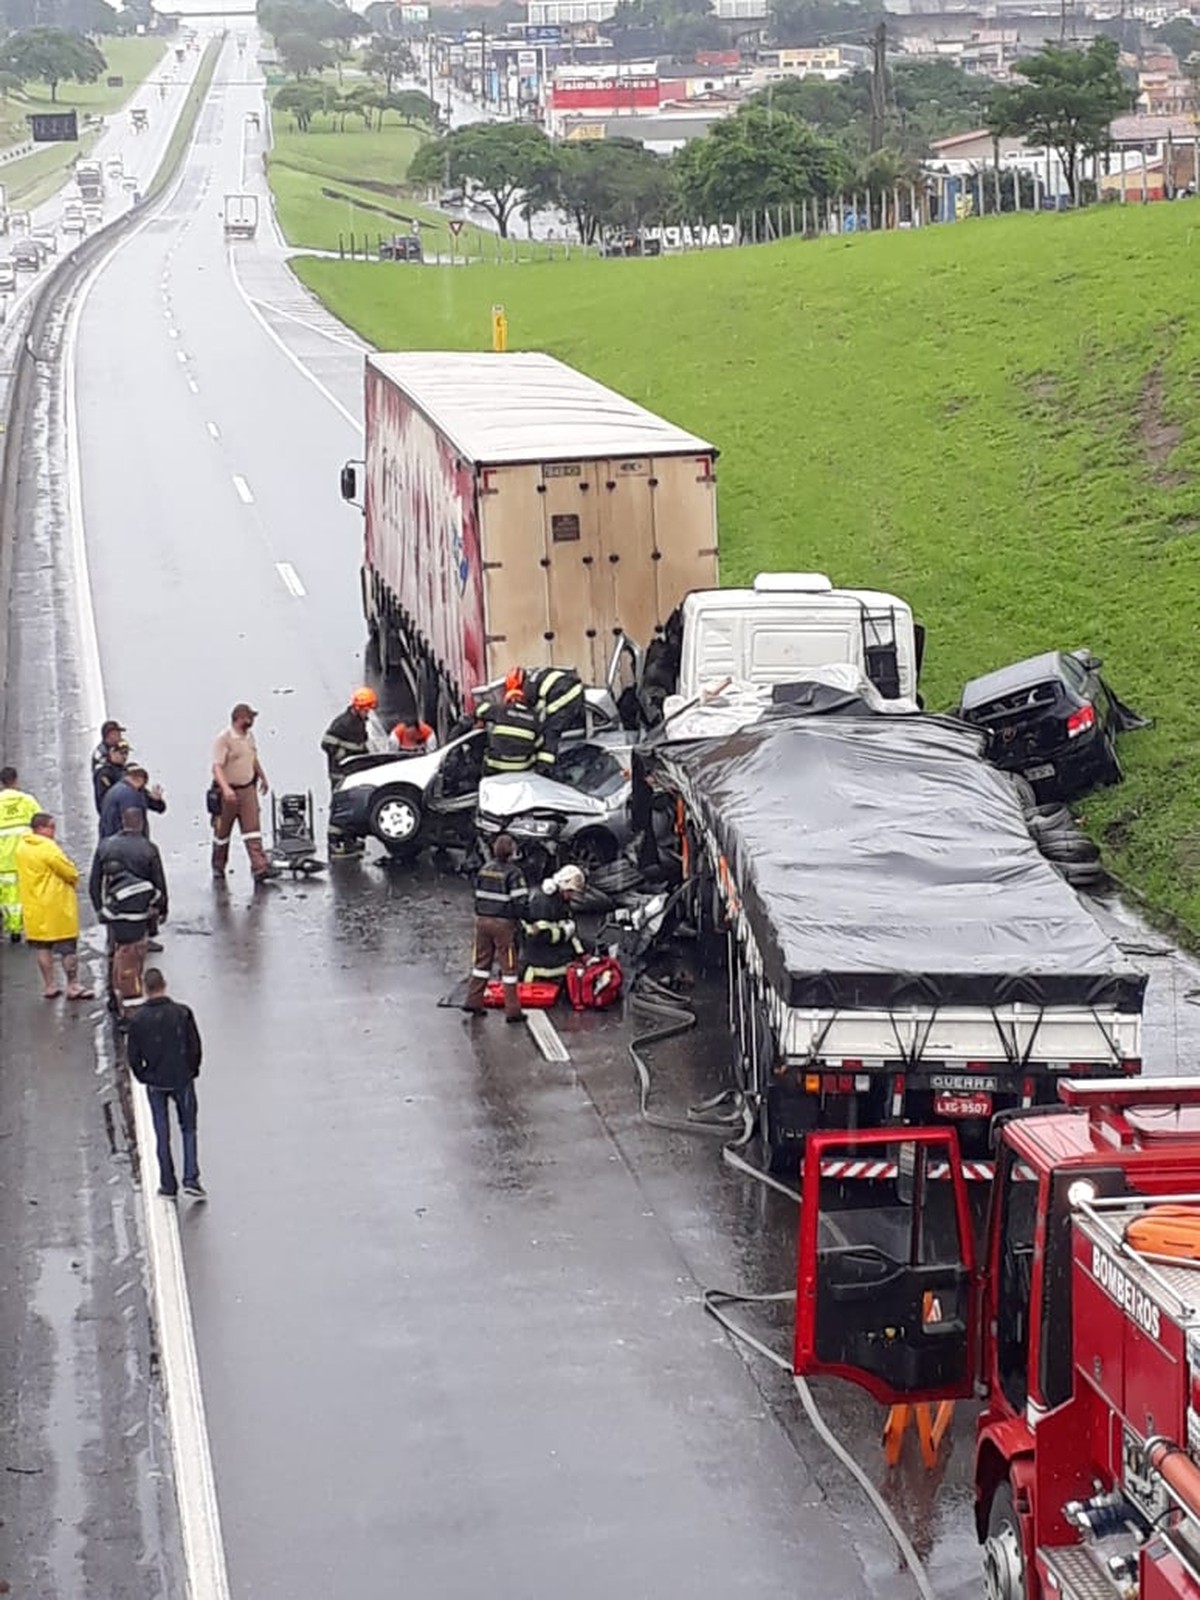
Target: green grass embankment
{"x": 35, "y": 177}
{"x": 997, "y": 420}
{"x": 329, "y": 185}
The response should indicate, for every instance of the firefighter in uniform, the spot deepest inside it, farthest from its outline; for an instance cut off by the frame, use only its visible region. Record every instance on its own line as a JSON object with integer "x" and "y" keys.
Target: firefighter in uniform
{"x": 17, "y": 811}
{"x": 513, "y": 729}
{"x": 346, "y": 736}
{"x": 558, "y": 699}
{"x": 412, "y": 737}
{"x": 549, "y": 942}
{"x": 500, "y": 903}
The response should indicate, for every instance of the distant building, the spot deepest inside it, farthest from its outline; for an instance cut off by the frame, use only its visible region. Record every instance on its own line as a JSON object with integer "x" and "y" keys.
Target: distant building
{"x": 664, "y": 132}
{"x": 829, "y": 61}
{"x": 566, "y": 13}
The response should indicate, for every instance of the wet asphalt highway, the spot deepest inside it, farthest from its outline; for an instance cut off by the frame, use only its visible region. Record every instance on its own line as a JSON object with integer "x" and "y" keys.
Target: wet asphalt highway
{"x": 447, "y": 1295}
{"x": 447, "y": 1310}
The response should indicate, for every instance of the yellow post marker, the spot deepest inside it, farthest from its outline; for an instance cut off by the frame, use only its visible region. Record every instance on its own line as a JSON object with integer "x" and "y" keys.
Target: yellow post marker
{"x": 499, "y": 330}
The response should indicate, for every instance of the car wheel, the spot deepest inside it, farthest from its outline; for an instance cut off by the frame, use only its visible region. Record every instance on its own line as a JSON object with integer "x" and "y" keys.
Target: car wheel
{"x": 396, "y": 820}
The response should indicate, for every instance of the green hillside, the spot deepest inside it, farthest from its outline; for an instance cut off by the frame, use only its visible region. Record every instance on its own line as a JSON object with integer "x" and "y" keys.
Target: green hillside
{"x": 994, "y": 419}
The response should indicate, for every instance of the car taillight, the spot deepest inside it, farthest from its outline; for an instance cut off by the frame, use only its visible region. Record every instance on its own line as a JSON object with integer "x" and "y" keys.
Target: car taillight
{"x": 1080, "y": 721}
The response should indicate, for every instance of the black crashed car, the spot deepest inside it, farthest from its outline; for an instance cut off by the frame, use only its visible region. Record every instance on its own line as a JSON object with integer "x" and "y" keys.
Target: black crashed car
{"x": 1052, "y": 719}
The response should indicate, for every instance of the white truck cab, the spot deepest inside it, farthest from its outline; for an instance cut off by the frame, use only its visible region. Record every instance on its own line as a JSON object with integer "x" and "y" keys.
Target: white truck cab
{"x": 789, "y": 623}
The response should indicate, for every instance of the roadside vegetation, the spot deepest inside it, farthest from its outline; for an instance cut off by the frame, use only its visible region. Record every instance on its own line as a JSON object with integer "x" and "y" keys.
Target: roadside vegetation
{"x": 992, "y": 419}
{"x": 31, "y": 179}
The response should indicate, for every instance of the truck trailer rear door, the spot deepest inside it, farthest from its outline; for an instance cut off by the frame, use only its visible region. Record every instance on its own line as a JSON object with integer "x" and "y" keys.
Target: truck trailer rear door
{"x": 885, "y": 1292}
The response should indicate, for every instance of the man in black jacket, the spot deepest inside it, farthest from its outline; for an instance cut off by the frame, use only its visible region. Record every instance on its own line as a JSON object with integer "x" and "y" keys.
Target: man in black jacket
{"x": 164, "y": 1054}
{"x": 500, "y": 902}
{"x": 128, "y": 891}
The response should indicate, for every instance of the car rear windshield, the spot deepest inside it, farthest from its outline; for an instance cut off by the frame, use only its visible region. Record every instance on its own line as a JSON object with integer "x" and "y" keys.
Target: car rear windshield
{"x": 1028, "y": 700}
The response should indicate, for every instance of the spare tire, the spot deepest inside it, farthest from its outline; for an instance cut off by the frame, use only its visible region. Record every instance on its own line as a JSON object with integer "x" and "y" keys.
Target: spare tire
{"x": 1023, "y": 790}
{"x": 1043, "y": 818}
{"x": 1082, "y": 874}
{"x": 1068, "y": 847}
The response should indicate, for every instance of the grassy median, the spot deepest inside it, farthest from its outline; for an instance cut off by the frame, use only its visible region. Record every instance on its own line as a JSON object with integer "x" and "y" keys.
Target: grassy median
{"x": 35, "y": 177}
{"x": 994, "y": 419}
{"x": 329, "y": 185}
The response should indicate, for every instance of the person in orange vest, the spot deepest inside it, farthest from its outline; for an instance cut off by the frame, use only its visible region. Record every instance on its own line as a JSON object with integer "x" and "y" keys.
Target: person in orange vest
{"x": 411, "y": 736}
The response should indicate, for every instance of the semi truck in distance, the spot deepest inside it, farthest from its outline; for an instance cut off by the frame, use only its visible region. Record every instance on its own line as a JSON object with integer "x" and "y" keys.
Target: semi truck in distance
{"x": 241, "y": 216}
{"x": 517, "y": 511}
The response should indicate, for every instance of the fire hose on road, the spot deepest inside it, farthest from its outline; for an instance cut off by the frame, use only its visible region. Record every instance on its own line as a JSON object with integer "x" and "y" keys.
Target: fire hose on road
{"x": 729, "y": 1115}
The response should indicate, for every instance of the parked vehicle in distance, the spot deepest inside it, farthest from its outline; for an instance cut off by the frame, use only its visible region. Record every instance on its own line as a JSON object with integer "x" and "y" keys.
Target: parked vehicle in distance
{"x": 19, "y": 221}
{"x": 401, "y": 247}
{"x": 452, "y": 199}
{"x": 115, "y": 167}
{"x": 47, "y": 239}
{"x": 631, "y": 244}
{"x": 8, "y": 275}
{"x": 1051, "y": 718}
{"x": 74, "y": 221}
{"x": 139, "y": 119}
{"x": 26, "y": 256}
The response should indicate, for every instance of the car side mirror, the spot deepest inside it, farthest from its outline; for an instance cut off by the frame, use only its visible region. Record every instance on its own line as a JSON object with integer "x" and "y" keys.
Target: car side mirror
{"x": 1087, "y": 660}
{"x": 349, "y": 482}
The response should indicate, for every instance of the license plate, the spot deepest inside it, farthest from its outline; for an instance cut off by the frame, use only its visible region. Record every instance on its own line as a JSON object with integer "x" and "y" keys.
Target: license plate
{"x": 1036, "y": 774}
{"x": 962, "y": 1105}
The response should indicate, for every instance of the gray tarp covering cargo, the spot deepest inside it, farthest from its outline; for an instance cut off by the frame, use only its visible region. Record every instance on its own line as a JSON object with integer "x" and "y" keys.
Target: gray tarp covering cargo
{"x": 881, "y": 863}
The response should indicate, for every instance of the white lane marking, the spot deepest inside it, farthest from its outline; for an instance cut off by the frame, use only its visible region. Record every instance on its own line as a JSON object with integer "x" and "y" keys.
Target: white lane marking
{"x": 251, "y": 306}
{"x": 181, "y": 355}
{"x": 336, "y": 338}
{"x": 193, "y": 386}
{"x": 291, "y": 579}
{"x": 214, "y": 432}
{"x": 172, "y": 333}
{"x": 546, "y": 1036}
{"x": 195, "y": 1485}
{"x": 244, "y": 492}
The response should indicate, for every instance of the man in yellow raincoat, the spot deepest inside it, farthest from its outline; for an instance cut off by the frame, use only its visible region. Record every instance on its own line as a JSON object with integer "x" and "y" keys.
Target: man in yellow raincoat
{"x": 16, "y": 812}
{"x": 47, "y": 879}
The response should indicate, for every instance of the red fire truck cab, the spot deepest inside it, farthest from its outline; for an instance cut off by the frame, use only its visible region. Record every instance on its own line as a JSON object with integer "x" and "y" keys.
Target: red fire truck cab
{"x": 1079, "y": 1328}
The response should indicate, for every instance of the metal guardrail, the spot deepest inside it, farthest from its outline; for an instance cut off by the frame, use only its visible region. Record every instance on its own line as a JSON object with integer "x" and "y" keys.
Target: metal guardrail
{"x": 28, "y": 343}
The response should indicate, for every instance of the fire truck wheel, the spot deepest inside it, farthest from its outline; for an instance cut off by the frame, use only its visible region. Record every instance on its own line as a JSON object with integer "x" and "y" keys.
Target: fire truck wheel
{"x": 1003, "y": 1555}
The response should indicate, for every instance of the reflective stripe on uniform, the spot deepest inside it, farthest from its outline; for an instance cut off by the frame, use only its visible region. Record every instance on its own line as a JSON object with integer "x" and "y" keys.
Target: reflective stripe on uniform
{"x": 509, "y": 978}
{"x": 480, "y": 972}
{"x": 140, "y": 887}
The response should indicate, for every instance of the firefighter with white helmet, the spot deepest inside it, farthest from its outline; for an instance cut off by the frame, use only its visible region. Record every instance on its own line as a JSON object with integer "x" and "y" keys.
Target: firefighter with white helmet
{"x": 550, "y": 942}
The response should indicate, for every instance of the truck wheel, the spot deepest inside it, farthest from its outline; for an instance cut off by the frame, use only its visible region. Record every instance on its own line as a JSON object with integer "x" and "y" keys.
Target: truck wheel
{"x": 1003, "y": 1552}
{"x": 396, "y": 820}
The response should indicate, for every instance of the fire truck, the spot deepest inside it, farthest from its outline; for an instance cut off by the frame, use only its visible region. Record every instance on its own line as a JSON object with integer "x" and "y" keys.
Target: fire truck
{"x": 1079, "y": 1327}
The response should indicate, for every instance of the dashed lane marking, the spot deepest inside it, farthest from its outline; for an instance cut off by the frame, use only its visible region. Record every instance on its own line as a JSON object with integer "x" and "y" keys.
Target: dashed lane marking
{"x": 546, "y": 1036}
{"x": 291, "y": 579}
{"x": 214, "y": 432}
{"x": 244, "y": 492}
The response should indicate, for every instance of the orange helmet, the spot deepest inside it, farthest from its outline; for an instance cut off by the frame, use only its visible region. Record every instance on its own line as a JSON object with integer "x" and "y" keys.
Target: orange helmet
{"x": 364, "y": 700}
{"x": 515, "y": 682}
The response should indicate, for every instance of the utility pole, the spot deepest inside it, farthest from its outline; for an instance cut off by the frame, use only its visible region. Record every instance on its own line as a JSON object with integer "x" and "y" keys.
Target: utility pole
{"x": 483, "y": 83}
{"x": 878, "y": 86}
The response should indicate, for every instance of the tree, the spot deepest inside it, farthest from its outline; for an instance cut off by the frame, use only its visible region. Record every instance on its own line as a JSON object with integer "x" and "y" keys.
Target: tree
{"x": 497, "y": 161}
{"x": 301, "y": 54}
{"x": 412, "y": 106}
{"x": 1068, "y": 101}
{"x": 606, "y": 185}
{"x": 303, "y": 98}
{"x": 49, "y": 56}
{"x": 664, "y": 27}
{"x": 754, "y": 161}
{"x": 389, "y": 59}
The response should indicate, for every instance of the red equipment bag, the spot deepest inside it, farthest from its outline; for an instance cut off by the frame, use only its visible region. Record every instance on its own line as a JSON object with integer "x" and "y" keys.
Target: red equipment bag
{"x": 594, "y": 983}
{"x": 536, "y": 996}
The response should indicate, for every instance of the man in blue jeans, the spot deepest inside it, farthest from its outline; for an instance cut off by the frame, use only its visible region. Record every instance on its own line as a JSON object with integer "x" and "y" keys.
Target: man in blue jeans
{"x": 164, "y": 1053}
